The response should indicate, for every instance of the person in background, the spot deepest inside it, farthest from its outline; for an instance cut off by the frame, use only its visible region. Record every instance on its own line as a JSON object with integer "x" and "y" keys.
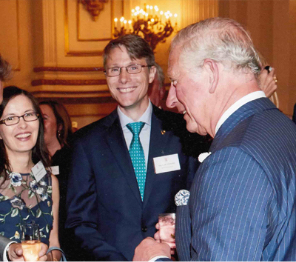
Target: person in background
{"x": 57, "y": 125}
{"x": 156, "y": 89}
{"x": 58, "y": 139}
{"x": 26, "y": 195}
{"x": 113, "y": 198}
{"x": 5, "y": 72}
{"x": 242, "y": 202}
{"x": 267, "y": 80}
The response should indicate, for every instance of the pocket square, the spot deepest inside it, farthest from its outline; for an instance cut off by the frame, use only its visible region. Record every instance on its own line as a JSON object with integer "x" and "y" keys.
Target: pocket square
{"x": 203, "y": 156}
{"x": 182, "y": 197}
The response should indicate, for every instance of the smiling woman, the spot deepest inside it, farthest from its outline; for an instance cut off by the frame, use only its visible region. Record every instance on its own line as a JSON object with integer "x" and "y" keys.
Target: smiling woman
{"x": 26, "y": 195}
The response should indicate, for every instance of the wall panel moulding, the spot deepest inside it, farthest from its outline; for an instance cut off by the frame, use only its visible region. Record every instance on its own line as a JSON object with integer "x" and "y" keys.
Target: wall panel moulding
{"x": 67, "y": 82}
{"x": 89, "y": 25}
{"x": 68, "y": 69}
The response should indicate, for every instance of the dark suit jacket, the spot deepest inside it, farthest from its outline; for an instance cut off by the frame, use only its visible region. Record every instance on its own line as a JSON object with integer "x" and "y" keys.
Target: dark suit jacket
{"x": 294, "y": 114}
{"x": 3, "y": 243}
{"x": 104, "y": 204}
{"x": 243, "y": 200}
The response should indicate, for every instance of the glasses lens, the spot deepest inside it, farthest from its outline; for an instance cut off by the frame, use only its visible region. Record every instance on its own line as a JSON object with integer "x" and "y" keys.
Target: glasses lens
{"x": 30, "y": 117}
{"x": 114, "y": 71}
{"x": 134, "y": 69}
{"x": 12, "y": 120}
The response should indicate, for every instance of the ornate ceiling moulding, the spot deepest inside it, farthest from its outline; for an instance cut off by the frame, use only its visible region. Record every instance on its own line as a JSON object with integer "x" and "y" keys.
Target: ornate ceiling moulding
{"x": 68, "y": 69}
{"x": 39, "y": 82}
{"x": 94, "y": 7}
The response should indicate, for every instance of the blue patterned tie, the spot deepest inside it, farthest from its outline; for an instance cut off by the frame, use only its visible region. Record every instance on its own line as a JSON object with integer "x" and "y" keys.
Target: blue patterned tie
{"x": 137, "y": 155}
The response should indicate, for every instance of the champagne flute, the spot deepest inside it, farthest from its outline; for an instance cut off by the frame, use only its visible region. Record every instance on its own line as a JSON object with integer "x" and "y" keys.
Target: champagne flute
{"x": 31, "y": 244}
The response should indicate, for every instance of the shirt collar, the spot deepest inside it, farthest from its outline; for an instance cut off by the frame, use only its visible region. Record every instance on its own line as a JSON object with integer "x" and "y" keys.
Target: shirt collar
{"x": 248, "y": 98}
{"x": 146, "y": 117}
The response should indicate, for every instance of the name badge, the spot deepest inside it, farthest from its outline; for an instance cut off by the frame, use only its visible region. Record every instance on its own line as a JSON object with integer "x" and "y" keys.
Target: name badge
{"x": 167, "y": 163}
{"x": 38, "y": 171}
{"x": 55, "y": 170}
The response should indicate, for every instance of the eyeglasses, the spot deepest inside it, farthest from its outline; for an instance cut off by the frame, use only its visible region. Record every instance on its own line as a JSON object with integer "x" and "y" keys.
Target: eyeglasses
{"x": 131, "y": 69}
{"x": 13, "y": 120}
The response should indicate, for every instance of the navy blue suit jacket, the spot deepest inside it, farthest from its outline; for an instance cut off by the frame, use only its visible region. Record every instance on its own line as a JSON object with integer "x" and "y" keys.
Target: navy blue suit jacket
{"x": 104, "y": 204}
{"x": 242, "y": 204}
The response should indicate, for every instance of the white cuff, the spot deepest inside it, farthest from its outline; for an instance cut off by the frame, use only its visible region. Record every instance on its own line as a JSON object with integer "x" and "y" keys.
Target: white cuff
{"x": 157, "y": 257}
{"x": 5, "y": 258}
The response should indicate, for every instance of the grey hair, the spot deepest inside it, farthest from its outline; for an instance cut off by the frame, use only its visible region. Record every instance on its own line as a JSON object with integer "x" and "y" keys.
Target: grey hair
{"x": 220, "y": 39}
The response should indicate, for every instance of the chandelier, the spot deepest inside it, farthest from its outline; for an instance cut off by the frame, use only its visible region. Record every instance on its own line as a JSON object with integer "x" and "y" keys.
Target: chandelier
{"x": 149, "y": 23}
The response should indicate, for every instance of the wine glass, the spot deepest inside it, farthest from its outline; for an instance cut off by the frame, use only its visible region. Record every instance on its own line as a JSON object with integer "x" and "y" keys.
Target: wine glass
{"x": 31, "y": 244}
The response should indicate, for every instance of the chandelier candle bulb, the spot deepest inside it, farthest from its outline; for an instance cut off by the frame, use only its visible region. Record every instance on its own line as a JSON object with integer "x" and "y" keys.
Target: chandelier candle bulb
{"x": 148, "y": 23}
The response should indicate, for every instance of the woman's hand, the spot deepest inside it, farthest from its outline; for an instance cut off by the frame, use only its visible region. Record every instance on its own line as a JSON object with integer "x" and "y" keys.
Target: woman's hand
{"x": 268, "y": 81}
{"x": 42, "y": 254}
{"x": 15, "y": 252}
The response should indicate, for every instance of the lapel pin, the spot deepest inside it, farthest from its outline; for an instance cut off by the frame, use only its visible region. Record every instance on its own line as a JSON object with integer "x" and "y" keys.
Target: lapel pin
{"x": 162, "y": 132}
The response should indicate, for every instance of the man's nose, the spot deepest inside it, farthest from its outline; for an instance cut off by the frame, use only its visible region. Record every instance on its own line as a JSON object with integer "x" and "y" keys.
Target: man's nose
{"x": 22, "y": 123}
{"x": 124, "y": 75}
{"x": 172, "y": 100}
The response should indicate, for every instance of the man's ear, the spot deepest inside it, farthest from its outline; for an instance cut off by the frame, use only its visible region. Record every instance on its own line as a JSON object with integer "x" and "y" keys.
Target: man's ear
{"x": 213, "y": 70}
{"x": 152, "y": 72}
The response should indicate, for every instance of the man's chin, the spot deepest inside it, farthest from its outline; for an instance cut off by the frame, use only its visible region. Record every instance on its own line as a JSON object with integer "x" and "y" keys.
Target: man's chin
{"x": 195, "y": 128}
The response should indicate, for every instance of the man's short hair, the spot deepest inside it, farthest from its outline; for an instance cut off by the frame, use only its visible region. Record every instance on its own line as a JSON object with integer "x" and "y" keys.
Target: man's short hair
{"x": 5, "y": 69}
{"x": 135, "y": 45}
{"x": 220, "y": 39}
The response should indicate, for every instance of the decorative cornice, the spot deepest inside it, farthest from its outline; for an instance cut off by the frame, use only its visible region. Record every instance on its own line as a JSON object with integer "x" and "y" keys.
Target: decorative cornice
{"x": 39, "y": 82}
{"x": 94, "y": 7}
{"x": 68, "y": 69}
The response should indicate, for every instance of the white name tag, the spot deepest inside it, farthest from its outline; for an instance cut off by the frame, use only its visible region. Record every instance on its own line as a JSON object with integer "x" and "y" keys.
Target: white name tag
{"x": 55, "y": 170}
{"x": 167, "y": 163}
{"x": 38, "y": 171}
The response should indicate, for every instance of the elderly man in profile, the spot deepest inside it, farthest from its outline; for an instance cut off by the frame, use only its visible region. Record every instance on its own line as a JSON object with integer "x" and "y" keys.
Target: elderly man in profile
{"x": 242, "y": 202}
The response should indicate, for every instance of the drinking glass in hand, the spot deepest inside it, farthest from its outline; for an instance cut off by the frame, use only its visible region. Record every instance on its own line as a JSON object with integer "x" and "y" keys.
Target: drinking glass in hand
{"x": 31, "y": 244}
{"x": 166, "y": 223}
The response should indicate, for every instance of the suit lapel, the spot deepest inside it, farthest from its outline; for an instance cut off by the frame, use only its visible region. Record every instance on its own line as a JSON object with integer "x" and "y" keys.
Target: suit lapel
{"x": 121, "y": 155}
{"x": 158, "y": 140}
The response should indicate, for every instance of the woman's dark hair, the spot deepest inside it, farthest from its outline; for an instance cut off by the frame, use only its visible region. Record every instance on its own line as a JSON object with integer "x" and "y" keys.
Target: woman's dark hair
{"x": 39, "y": 151}
{"x": 63, "y": 119}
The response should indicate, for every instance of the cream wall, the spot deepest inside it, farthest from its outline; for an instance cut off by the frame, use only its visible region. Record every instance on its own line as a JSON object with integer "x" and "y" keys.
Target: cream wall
{"x": 60, "y": 41}
{"x": 272, "y": 24}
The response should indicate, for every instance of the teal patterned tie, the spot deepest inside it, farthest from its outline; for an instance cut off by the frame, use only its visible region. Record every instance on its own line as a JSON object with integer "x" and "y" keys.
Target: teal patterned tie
{"x": 137, "y": 155}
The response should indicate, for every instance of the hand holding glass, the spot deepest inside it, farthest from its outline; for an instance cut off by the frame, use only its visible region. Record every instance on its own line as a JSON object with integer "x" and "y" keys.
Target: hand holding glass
{"x": 166, "y": 223}
{"x": 31, "y": 244}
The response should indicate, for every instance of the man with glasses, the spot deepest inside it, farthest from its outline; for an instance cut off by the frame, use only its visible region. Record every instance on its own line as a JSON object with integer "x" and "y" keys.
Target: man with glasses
{"x": 128, "y": 166}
